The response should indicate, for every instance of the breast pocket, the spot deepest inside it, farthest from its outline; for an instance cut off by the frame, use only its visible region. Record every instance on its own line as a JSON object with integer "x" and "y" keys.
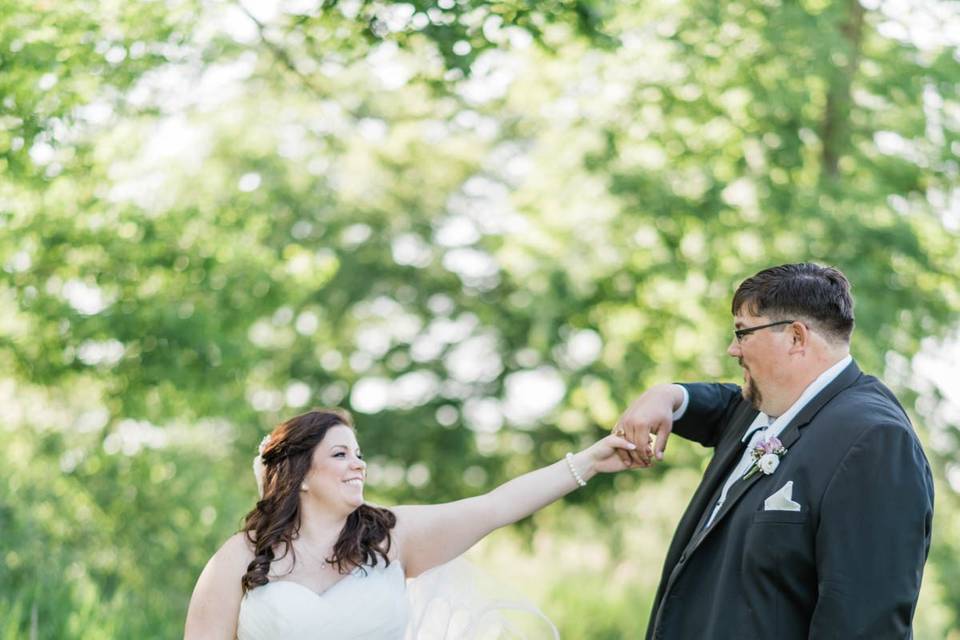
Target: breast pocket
{"x": 783, "y": 517}
{"x": 778, "y": 542}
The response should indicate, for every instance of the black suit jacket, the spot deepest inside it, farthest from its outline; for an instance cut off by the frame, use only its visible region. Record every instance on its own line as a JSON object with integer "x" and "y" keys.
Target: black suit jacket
{"x": 848, "y": 565}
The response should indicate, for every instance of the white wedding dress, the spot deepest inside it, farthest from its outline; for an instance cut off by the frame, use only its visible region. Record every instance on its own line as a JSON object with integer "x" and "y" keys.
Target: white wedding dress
{"x": 370, "y": 603}
{"x": 454, "y": 601}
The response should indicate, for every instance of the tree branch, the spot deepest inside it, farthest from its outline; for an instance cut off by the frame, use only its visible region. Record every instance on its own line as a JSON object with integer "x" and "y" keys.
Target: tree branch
{"x": 281, "y": 54}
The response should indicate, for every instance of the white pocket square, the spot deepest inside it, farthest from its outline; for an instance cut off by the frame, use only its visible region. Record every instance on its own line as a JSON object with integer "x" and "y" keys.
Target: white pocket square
{"x": 782, "y": 500}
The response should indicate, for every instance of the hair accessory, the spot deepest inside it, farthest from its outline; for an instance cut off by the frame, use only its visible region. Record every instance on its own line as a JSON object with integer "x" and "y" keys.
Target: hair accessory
{"x": 573, "y": 470}
{"x": 259, "y": 470}
{"x": 263, "y": 444}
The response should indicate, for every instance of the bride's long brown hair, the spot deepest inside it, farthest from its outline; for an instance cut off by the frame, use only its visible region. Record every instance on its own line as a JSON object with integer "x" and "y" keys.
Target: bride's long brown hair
{"x": 275, "y": 521}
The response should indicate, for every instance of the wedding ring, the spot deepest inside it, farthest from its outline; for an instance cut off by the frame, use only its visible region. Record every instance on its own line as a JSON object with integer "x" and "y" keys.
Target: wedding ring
{"x": 619, "y": 432}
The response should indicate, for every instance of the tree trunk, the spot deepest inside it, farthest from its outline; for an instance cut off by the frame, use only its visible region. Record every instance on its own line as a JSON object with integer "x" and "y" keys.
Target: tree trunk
{"x": 834, "y": 131}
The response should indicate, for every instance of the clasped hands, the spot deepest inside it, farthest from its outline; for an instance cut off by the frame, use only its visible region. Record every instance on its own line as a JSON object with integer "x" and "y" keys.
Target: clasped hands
{"x": 647, "y": 424}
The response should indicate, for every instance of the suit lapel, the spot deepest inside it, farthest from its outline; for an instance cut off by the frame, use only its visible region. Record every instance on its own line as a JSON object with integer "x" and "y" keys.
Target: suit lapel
{"x": 725, "y": 459}
{"x": 724, "y": 467}
{"x": 736, "y": 492}
{"x": 846, "y": 378}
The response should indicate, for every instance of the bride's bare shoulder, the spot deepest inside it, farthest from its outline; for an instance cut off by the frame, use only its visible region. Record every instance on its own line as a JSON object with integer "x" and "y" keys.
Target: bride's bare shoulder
{"x": 215, "y": 602}
{"x": 237, "y": 549}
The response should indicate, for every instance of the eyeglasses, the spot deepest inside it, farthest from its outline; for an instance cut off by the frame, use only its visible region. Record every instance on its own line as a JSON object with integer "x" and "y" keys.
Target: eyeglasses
{"x": 741, "y": 333}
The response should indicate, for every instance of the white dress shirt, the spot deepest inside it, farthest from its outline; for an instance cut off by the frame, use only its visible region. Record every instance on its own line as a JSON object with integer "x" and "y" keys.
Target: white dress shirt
{"x": 764, "y": 426}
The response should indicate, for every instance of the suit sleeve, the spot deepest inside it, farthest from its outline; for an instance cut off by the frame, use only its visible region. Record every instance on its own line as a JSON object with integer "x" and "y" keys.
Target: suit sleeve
{"x": 873, "y": 538}
{"x": 708, "y": 412}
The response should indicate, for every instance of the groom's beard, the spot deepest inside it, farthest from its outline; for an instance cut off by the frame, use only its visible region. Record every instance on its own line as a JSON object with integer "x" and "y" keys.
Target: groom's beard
{"x": 750, "y": 392}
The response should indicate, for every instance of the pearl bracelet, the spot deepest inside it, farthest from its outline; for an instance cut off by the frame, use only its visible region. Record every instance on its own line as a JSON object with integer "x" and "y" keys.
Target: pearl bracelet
{"x": 573, "y": 471}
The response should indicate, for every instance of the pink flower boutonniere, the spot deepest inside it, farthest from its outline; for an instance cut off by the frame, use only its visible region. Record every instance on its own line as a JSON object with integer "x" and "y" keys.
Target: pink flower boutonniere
{"x": 766, "y": 456}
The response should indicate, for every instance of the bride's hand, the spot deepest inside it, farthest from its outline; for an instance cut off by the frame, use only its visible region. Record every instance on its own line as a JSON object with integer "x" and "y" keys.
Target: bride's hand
{"x": 602, "y": 457}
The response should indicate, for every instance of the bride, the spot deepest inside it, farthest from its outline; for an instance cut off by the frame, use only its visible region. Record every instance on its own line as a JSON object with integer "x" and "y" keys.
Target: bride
{"x": 314, "y": 561}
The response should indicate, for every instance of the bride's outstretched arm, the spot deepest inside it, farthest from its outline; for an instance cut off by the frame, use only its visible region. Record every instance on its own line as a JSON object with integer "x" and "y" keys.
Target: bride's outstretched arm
{"x": 429, "y": 535}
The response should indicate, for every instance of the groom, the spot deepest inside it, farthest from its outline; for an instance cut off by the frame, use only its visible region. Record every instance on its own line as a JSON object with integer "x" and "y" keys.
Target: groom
{"x": 813, "y": 518}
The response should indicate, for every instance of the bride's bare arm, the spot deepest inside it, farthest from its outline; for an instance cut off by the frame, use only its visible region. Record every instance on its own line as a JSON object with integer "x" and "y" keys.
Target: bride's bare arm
{"x": 215, "y": 603}
{"x": 429, "y": 535}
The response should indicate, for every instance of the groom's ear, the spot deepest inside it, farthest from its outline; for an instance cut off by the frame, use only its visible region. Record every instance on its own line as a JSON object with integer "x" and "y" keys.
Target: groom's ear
{"x": 799, "y": 337}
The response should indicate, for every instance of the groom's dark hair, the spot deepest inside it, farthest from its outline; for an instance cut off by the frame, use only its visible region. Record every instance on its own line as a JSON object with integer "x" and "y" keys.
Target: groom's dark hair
{"x": 805, "y": 291}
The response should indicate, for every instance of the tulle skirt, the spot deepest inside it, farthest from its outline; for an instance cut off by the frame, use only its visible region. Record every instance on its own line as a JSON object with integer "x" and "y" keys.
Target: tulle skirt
{"x": 457, "y": 601}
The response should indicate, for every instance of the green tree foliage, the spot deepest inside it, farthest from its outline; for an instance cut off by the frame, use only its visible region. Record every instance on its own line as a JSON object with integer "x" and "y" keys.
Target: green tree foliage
{"x": 481, "y": 226}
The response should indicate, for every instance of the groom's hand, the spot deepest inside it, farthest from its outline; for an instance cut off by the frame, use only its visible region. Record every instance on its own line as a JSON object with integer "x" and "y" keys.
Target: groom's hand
{"x": 650, "y": 415}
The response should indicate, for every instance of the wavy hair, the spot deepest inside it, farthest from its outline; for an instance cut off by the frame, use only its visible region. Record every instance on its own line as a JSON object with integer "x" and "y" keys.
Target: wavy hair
{"x": 275, "y": 521}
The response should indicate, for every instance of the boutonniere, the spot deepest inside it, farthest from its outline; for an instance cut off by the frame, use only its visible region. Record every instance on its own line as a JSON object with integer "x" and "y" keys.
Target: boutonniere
{"x": 766, "y": 456}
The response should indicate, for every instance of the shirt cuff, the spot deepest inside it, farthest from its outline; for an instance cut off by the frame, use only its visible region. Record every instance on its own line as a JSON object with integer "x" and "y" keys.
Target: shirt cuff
{"x": 683, "y": 405}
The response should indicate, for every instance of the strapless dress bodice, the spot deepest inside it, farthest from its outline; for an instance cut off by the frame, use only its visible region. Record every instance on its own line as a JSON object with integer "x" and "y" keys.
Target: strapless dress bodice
{"x": 370, "y": 603}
